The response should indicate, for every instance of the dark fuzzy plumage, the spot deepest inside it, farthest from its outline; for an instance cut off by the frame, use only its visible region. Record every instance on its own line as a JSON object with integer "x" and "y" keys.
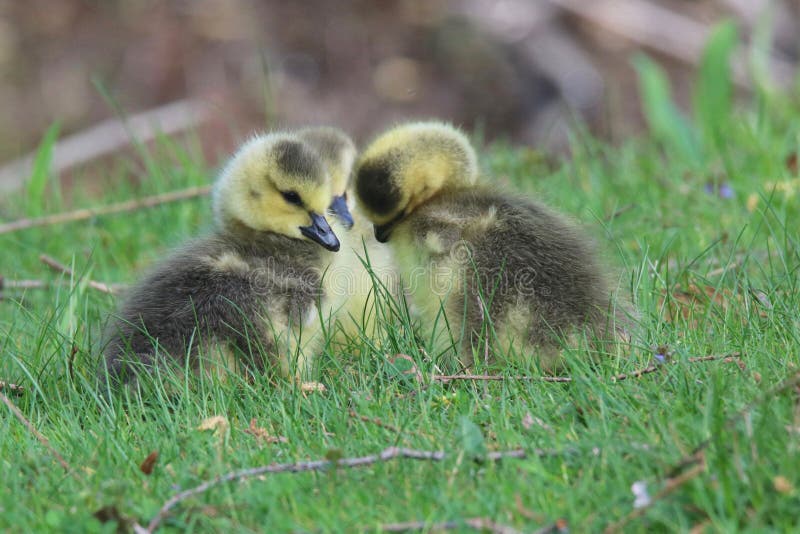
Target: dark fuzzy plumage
{"x": 514, "y": 252}
{"x": 375, "y": 187}
{"x": 188, "y": 300}
{"x": 299, "y": 160}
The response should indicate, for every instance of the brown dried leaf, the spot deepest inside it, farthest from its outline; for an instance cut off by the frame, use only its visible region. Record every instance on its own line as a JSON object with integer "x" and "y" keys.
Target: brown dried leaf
{"x": 255, "y": 430}
{"x": 527, "y": 421}
{"x": 313, "y": 387}
{"x": 217, "y": 423}
{"x": 792, "y": 163}
{"x": 694, "y": 299}
{"x": 526, "y": 512}
{"x": 782, "y": 484}
{"x": 261, "y": 434}
{"x": 149, "y": 463}
{"x": 701, "y": 527}
{"x": 110, "y": 513}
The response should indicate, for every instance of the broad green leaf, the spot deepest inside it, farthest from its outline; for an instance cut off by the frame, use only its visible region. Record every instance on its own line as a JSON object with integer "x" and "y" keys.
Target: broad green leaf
{"x": 714, "y": 90}
{"x": 471, "y": 438}
{"x": 40, "y": 171}
{"x": 663, "y": 117}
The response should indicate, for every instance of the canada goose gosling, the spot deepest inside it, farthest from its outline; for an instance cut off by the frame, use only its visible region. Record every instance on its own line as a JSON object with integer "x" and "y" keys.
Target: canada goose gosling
{"x": 254, "y": 286}
{"x": 500, "y": 267}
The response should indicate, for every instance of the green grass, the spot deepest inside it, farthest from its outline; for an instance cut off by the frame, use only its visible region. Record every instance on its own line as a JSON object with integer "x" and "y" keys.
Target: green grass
{"x": 606, "y": 435}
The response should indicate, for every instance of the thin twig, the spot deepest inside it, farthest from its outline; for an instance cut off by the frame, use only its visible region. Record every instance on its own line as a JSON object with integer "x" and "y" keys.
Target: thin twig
{"x": 43, "y": 440}
{"x": 22, "y": 284}
{"x": 499, "y": 378}
{"x": 13, "y": 388}
{"x": 120, "y": 207}
{"x": 390, "y": 453}
{"x": 636, "y": 374}
{"x": 723, "y": 269}
{"x": 375, "y": 421}
{"x": 727, "y": 358}
{"x": 25, "y": 285}
{"x": 60, "y": 267}
{"x": 108, "y": 137}
{"x": 619, "y": 211}
{"x": 482, "y": 524}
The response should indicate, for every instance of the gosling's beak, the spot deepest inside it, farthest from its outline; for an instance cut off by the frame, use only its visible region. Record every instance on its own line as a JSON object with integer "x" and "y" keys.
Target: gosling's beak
{"x": 320, "y": 231}
{"x": 339, "y": 207}
{"x": 383, "y": 231}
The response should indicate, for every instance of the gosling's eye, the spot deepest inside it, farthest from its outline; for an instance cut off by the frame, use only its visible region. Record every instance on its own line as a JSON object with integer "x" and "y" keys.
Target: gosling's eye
{"x": 292, "y": 197}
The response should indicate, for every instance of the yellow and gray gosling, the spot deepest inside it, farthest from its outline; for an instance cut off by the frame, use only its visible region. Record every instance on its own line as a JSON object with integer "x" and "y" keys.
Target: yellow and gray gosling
{"x": 348, "y": 274}
{"x": 500, "y": 267}
{"x": 251, "y": 293}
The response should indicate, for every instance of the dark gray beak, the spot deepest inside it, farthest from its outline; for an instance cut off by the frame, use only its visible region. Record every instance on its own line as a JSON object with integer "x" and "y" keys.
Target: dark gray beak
{"x": 320, "y": 231}
{"x": 383, "y": 231}
{"x": 339, "y": 208}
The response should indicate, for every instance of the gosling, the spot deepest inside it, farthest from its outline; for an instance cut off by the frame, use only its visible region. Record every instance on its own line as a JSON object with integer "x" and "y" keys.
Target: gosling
{"x": 494, "y": 267}
{"x": 251, "y": 294}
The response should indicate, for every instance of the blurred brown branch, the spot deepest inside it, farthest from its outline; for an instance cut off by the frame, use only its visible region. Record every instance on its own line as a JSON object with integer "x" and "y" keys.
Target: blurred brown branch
{"x": 108, "y": 137}
{"x": 120, "y": 207}
{"x": 667, "y": 32}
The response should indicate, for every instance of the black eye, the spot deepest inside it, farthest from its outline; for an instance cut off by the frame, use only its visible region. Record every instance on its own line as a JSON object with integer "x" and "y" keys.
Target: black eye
{"x": 292, "y": 197}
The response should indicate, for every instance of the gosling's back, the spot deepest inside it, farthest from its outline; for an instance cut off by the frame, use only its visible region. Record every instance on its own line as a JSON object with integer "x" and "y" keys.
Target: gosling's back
{"x": 511, "y": 260}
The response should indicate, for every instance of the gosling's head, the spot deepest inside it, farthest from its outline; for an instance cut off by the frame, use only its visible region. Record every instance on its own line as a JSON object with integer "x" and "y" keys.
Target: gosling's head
{"x": 276, "y": 183}
{"x": 338, "y": 153}
{"x": 408, "y": 165}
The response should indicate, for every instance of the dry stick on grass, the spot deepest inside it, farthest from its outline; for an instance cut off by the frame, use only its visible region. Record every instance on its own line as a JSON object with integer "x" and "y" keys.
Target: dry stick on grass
{"x": 478, "y": 523}
{"x": 375, "y": 421}
{"x": 121, "y": 207}
{"x": 390, "y": 453}
{"x": 43, "y": 440}
{"x": 735, "y": 264}
{"x": 60, "y": 267}
{"x": 22, "y": 284}
{"x": 619, "y": 211}
{"x": 482, "y": 524}
{"x": 726, "y": 358}
{"x": 19, "y": 284}
{"x": 25, "y": 285}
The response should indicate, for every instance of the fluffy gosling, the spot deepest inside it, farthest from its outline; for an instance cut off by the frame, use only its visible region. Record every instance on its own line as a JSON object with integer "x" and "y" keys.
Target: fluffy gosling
{"x": 500, "y": 267}
{"x": 252, "y": 292}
